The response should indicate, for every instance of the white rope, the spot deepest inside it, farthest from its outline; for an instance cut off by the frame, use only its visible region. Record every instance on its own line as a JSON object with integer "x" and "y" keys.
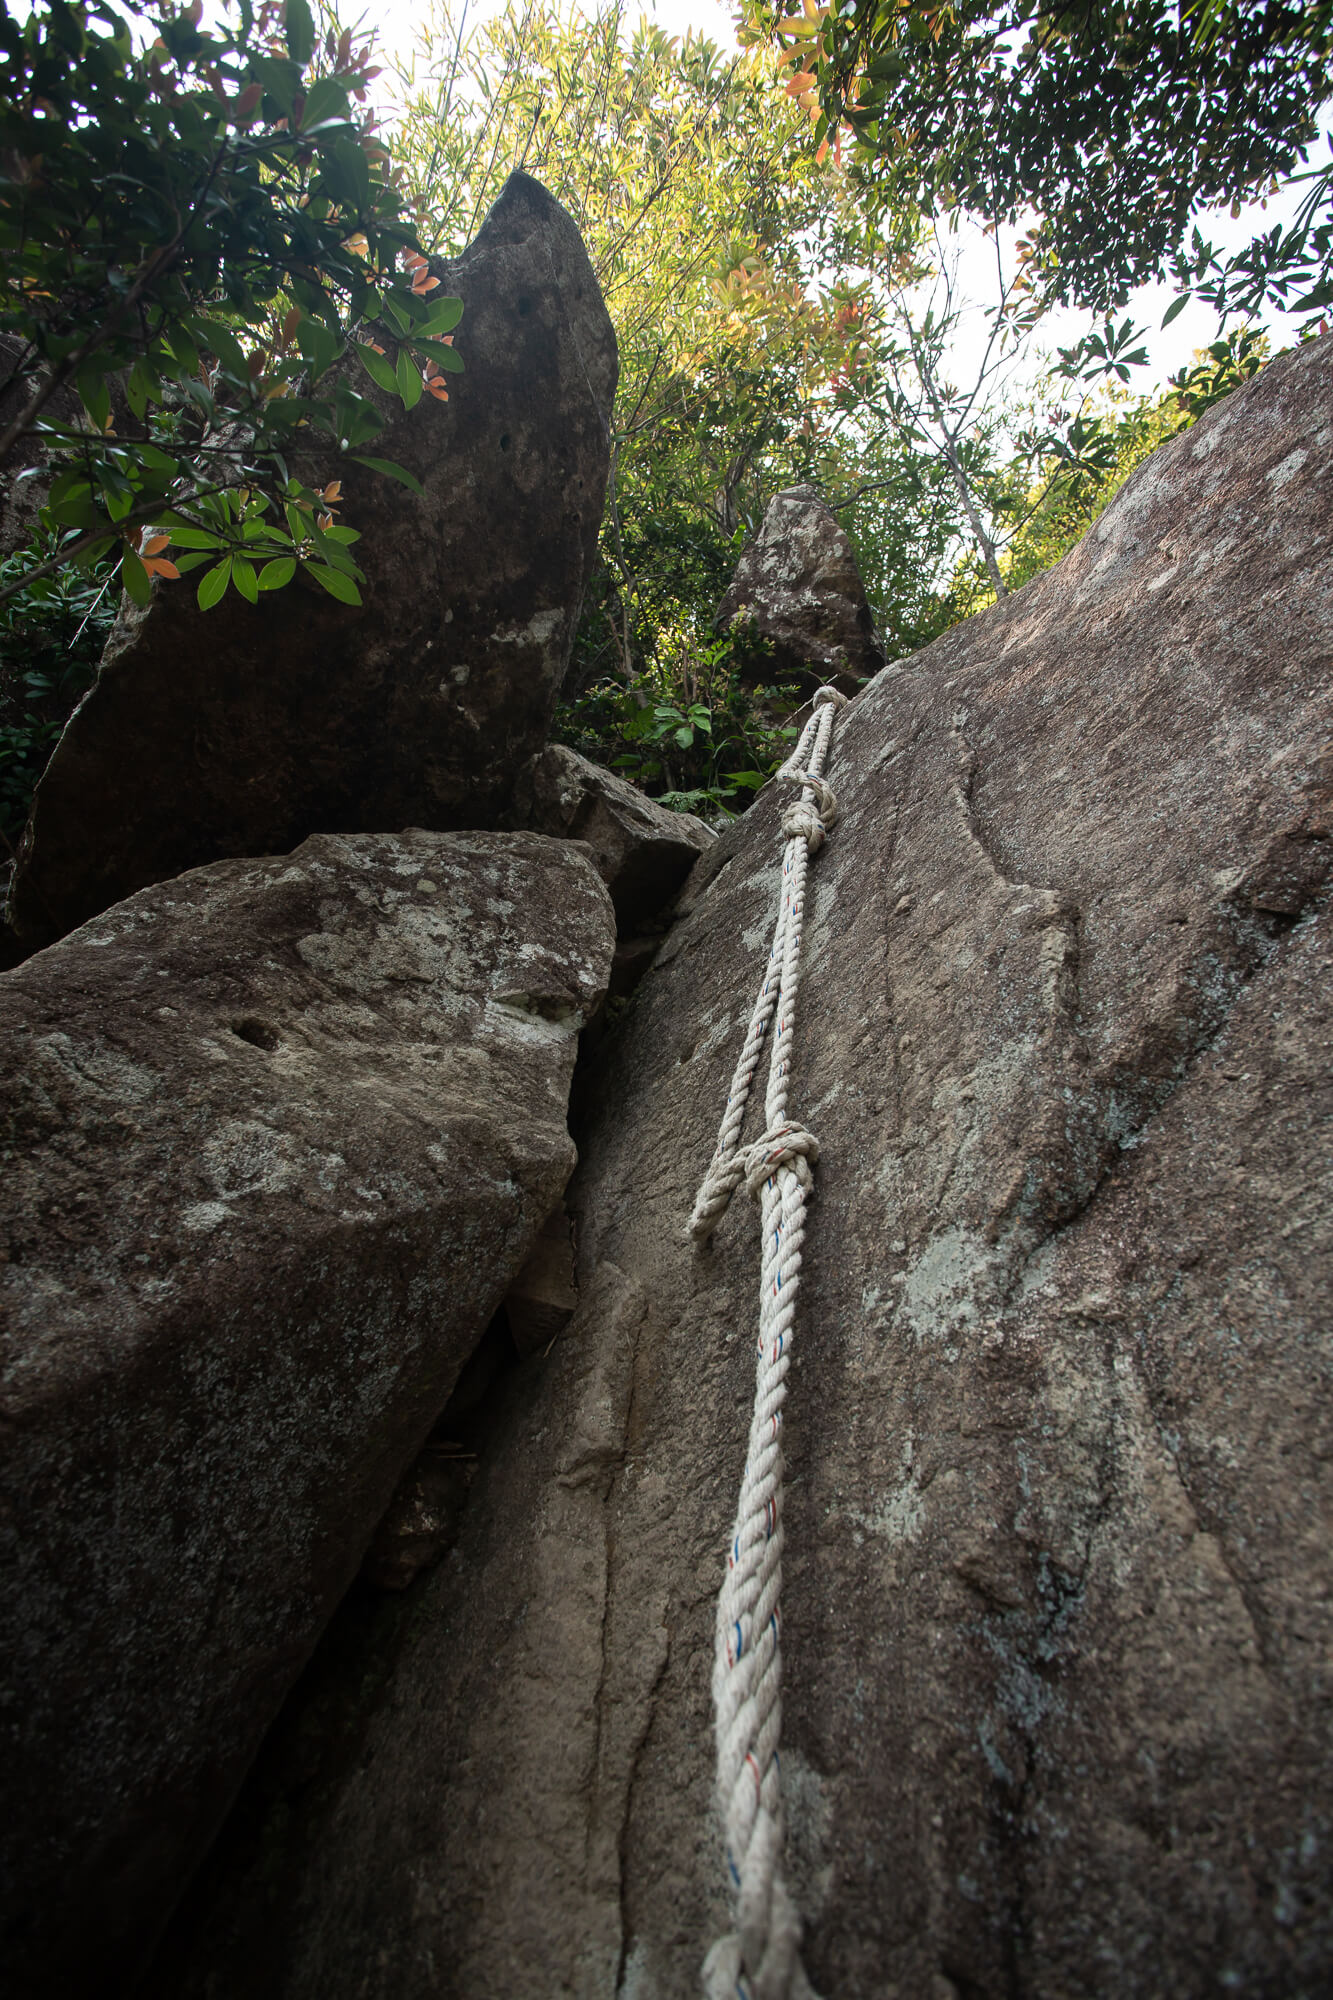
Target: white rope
{"x": 759, "y": 1959}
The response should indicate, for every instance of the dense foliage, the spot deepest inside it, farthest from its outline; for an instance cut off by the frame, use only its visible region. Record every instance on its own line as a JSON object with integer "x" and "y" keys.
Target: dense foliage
{"x": 191, "y": 232}
{"x": 213, "y": 272}
{"x": 1111, "y": 123}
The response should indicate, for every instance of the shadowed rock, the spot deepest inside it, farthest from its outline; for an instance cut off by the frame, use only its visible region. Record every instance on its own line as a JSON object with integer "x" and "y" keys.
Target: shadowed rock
{"x": 241, "y": 730}
{"x": 277, "y": 1137}
{"x": 1058, "y": 1597}
{"x": 642, "y": 851}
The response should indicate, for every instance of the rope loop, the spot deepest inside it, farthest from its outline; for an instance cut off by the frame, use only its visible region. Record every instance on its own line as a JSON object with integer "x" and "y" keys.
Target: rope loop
{"x": 826, "y": 799}
{"x": 832, "y": 696}
{"x": 787, "y": 1145}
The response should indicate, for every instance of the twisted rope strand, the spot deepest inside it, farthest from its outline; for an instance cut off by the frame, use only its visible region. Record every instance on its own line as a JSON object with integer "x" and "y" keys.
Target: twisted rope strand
{"x": 759, "y": 1959}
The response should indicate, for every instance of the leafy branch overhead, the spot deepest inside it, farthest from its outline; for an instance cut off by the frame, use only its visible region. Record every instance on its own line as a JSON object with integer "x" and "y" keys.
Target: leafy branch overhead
{"x": 206, "y": 251}
{"x": 1111, "y": 124}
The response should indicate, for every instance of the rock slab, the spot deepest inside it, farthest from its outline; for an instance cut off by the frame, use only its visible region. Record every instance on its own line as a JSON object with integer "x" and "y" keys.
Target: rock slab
{"x": 242, "y": 730}
{"x": 278, "y": 1135}
{"x": 1058, "y": 1601}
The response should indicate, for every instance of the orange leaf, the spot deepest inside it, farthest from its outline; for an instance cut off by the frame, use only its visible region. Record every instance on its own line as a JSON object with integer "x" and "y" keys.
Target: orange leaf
{"x": 248, "y": 103}
{"x": 155, "y": 566}
{"x": 438, "y": 390}
{"x": 333, "y": 491}
{"x": 421, "y": 284}
{"x": 290, "y": 324}
{"x": 155, "y": 545}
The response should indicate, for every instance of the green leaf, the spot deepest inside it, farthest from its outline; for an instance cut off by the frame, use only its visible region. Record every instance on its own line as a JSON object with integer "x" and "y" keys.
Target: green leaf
{"x": 183, "y": 348}
{"x": 94, "y": 394}
{"x": 94, "y": 552}
{"x": 195, "y": 538}
{"x": 452, "y": 363}
{"x": 300, "y": 25}
{"x": 319, "y": 344}
{"x": 135, "y": 578}
{"x": 212, "y": 587}
{"x": 1176, "y": 307}
{"x": 244, "y": 578}
{"x": 444, "y": 317}
{"x": 378, "y": 367}
{"x": 221, "y": 341}
{"x": 275, "y": 574}
{"x": 346, "y": 171}
{"x": 141, "y": 387}
{"x": 392, "y": 471}
{"x": 410, "y": 384}
{"x": 324, "y": 100}
{"x": 335, "y": 582}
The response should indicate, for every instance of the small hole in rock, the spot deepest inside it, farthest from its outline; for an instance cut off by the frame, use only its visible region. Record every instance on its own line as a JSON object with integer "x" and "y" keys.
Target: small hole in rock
{"x": 258, "y": 1033}
{"x": 524, "y": 308}
{"x": 505, "y": 441}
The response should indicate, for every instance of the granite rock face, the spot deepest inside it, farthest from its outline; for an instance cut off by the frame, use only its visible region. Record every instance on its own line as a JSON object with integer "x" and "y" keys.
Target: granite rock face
{"x": 643, "y": 851}
{"x": 799, "y": 584}
{"x": 242, "y": 730}
{"x": 1058, "y": 1593}
{"x": 277, "y": 1137}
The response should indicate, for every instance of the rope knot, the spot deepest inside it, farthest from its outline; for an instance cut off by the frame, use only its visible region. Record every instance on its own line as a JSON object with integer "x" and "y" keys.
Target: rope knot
{"x": 802, "y": 821}
{"x": 825, "y": 797}
{"x": 831, "y": 696}
{"x": 787, "y": 1145}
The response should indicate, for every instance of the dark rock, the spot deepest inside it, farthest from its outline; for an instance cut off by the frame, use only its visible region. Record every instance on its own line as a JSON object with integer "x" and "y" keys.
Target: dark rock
{"x": 278, "y": 1136}
{"x": 797, "y": 585}
{"x": 541, "y": 1301}
{"x": 242, "y": 730}
{"x": 643, "y": 851}
{"x": 1059, "y": 1599}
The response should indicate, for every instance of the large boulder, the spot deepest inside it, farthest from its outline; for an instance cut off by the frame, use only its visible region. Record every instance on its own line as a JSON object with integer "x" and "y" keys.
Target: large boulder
{"x": 242, "y": 730}
{"x": 277, "y": 1136}
{"x": 798, "y": 586}
{"x": 1059, "y": 1570}
{"x": 642, "y": 850}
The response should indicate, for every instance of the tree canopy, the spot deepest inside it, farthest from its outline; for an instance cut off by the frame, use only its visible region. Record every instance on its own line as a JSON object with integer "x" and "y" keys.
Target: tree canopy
{"x": 210, "y": 253}
{"x": 1112, "y": 121}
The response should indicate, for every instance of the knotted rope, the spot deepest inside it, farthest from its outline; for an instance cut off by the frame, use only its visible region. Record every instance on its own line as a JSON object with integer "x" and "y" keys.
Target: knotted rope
{"x": 759, "y": 1959}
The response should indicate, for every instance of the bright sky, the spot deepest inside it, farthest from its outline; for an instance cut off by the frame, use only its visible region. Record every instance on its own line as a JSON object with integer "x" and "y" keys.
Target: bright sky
{"x": 396, "y": 19}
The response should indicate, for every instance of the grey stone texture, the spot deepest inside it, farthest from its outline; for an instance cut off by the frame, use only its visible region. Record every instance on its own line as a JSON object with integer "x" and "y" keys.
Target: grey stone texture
{"x": 1057, "y": 1606}
{"x": 798, "y": 585}
{"x": 277, "y": 1137}
{"x": 242, "y": 730}
{"x": 643, "y": 851}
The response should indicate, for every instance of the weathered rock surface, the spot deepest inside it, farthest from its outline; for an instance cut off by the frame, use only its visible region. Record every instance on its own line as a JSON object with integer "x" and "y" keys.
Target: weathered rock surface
{"x": 277, "y": 1136}
{"x": 261, "y": 724}
{"x": 798, "y": 581}
{"x": 1057, "y": 1610}
{"x": 643, "y": 851}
